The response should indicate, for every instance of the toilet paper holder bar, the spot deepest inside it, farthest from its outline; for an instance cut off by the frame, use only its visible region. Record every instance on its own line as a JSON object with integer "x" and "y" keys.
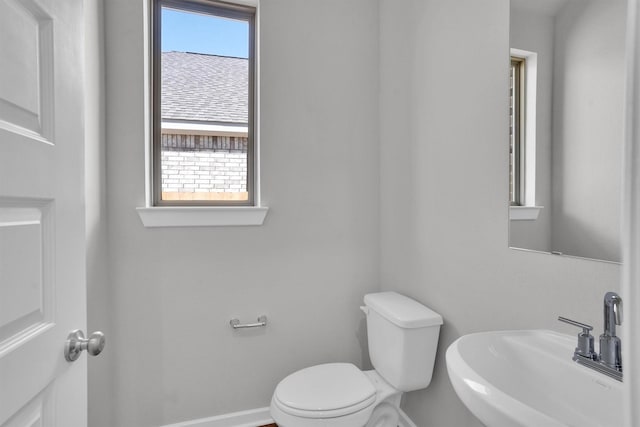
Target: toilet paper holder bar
{"x": 235, "y": 323}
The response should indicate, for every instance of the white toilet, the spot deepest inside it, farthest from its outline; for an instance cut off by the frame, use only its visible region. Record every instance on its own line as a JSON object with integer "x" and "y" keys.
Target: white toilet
{"x": 403, "y": 338}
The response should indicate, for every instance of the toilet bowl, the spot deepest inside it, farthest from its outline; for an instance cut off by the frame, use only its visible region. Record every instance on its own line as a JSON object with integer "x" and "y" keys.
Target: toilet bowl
{"x": 402, "y": 336}
{"x": 334, "y": 394}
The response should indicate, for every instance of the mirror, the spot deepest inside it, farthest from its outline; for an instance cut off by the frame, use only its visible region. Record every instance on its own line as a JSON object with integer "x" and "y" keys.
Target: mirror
{"x": 567, "y": 99}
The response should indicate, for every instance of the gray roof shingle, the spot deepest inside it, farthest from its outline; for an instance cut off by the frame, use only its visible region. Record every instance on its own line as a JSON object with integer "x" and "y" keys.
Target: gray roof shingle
{"x": 204, "y": 87}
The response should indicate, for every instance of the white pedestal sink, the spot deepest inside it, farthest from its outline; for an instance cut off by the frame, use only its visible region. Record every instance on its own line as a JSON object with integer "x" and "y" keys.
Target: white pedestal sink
{"x": 527, "y": 378}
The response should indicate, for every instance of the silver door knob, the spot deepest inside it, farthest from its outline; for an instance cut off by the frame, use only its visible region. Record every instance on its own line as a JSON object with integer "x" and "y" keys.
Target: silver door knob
{"x": 76, "y": 344}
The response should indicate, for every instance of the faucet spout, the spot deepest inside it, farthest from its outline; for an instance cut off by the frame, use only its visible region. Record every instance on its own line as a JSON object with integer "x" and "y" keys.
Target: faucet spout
{"x": 612, "y": 313}
{"x": 610, "y": 345}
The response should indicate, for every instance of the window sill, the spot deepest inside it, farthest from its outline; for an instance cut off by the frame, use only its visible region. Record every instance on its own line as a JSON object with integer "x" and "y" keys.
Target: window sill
{"x": 202, "y": 216}
{"x": 524, "y": 213}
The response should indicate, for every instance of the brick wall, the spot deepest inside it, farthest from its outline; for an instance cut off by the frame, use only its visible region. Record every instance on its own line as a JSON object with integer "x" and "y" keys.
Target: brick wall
{"x": 196, "y": 163}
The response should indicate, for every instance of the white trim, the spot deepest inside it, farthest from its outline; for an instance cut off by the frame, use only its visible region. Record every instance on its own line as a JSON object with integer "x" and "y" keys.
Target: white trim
{"x": 630, "y": 290}
{"x": 193, "y": 128}
{"x": 254, "y": 418}
{"x": 256, "y": 103}
{"x": 254, "y": 3}
{"x": 531, "y": 85}
{"x": 201, "y": 216}
{"x": 205, "y": 216}
{"x": 405, "y": 421}
{"x": 148, "y": 108}
{"x": 524, "y": 213}
{"x": 148, "y": 104}
{"x": 250, "y": 418}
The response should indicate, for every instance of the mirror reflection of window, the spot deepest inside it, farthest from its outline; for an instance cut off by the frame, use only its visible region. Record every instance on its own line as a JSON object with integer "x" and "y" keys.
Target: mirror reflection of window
{"x": 516, "y": 136}
{"x": 573, "y": 107}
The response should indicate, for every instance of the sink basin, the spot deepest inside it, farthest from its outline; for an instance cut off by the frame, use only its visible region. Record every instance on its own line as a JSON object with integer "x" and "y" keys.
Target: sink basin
{"x": 527, "y": 378}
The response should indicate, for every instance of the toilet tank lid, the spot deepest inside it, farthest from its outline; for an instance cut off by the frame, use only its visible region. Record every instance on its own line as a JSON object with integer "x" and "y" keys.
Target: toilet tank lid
{"x": 401, "y": 310}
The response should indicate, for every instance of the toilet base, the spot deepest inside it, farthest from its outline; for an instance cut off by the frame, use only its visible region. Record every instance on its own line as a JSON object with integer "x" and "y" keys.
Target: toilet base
{"x": 387, "y": 405}
{"x": 385, "y": 415}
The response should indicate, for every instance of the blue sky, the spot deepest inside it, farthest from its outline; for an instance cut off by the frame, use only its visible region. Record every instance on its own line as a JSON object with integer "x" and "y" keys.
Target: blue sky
{"x": 192, "y": 32}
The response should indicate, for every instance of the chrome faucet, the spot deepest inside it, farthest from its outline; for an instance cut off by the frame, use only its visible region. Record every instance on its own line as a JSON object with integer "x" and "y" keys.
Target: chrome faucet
{"x": 609, "y": 360}
{"x": 610, "y": 348}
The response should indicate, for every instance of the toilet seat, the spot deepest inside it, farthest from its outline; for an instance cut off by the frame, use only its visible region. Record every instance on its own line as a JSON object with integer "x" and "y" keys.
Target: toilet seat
{"x": 325, "y": 391}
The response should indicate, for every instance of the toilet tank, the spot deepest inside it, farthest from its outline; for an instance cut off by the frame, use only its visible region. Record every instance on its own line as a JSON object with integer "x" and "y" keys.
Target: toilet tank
{"x": 403, "y": 339}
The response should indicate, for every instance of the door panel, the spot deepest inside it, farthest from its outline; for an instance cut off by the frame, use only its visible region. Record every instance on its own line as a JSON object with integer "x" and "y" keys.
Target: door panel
{"x": 26, "y": 75}
{"x": 42, "y": 252}
{"x": 35, "y": 413}
{"x": 21, "y": 268}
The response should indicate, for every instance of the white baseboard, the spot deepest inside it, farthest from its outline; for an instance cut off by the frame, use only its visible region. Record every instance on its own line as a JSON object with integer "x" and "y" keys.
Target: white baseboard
{"x": 254, "y": 418}
{"x": 405, "y": 421}
{"x": 251, "y": 418}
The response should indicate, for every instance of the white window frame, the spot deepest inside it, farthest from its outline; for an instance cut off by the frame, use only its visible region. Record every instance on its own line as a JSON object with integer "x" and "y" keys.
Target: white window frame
{"x": 198, "y": 216}
{"x": 528, "y": 209}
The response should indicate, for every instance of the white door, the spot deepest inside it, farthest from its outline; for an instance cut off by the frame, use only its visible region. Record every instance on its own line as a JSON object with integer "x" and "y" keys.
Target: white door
{"x": 42, "y": 245}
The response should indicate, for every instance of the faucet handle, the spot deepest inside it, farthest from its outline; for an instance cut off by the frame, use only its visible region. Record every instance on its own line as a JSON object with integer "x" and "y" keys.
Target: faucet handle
{"x": 585, "y": 328}
{"x": 585, "y": 340}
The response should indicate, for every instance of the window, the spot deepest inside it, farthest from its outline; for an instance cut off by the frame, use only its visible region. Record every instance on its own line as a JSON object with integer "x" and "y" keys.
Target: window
{"x": 517, "y": 150}
{"x": 203, "y": 67}
{"x": 523, "y": 90}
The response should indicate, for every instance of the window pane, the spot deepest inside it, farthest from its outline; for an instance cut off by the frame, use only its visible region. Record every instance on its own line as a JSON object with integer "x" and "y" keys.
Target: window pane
{"x": 516, "y": 142}
{"x": 512, "y": 143}
{"x": 204, "y": 107}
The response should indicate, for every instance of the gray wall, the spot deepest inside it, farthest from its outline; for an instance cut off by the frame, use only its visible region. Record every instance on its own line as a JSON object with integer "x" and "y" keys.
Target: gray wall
{"x": 173, "y": 354}
{"x": 444, "y": 238}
